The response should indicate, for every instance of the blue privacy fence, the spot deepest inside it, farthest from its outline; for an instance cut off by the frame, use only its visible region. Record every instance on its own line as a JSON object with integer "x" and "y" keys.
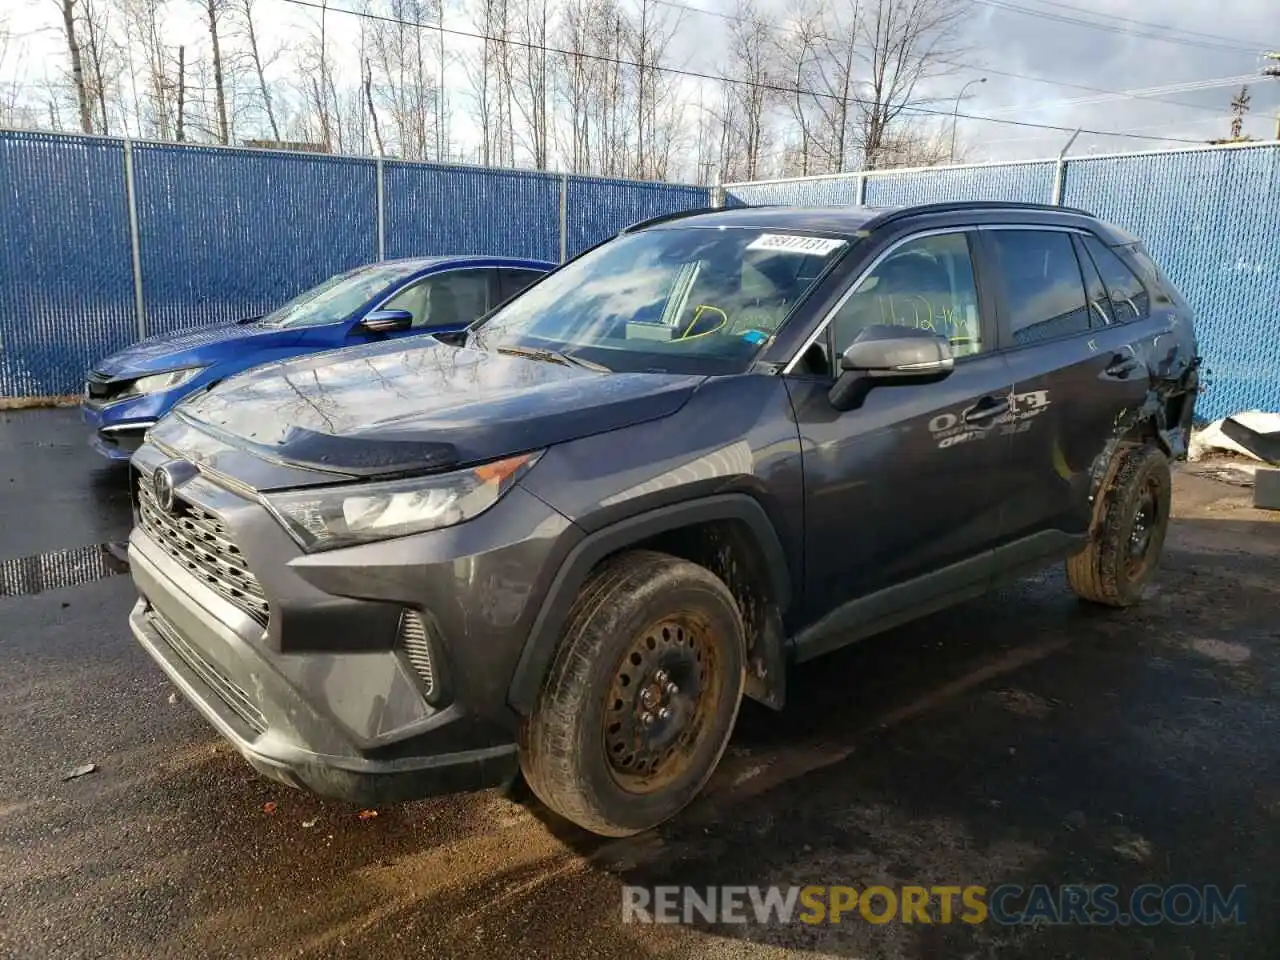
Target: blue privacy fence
{"x": 103, "y": 241}
{"x": 1211, "y": 216}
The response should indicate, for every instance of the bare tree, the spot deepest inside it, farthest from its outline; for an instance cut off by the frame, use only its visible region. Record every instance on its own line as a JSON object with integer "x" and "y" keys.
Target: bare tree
{"x": 650, "y": 42}
{"x": 752, "y": 67}
{"x": 799, "y": 59}
{"x": 260, "y": 63}
{"x": 403, "y": 75}
{"x": 99, "y": 47}
{"x": 213, "y": 10}
{"x": 531, "y": 85}
{"x": 181, "y": 104}
{"x": 12, "y": 113}
{"x": 906, "y": 42}
{"x": 68, "y": 10}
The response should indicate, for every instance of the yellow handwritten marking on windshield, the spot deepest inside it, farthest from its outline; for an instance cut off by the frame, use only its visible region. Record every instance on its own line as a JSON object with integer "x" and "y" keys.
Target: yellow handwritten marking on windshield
{"x": 697, "y": 313}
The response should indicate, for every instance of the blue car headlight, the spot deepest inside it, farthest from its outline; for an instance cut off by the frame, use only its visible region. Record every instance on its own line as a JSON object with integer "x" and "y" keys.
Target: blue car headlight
{"x": 327, "y": 517}
{"x": 159, "y": 382}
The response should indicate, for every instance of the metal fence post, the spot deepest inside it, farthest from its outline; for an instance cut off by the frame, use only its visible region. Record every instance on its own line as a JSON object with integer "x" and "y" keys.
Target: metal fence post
{"x": 1060, "y": 171}
{"x": 862, "y": 189}
{"x": 135, "y": 247}
{"x": 564, "y": 217}
{"x": 382, "y": 215}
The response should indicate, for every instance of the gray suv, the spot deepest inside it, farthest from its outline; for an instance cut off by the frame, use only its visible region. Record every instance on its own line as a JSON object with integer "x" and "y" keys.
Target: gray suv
{"x": 567, "y": 542}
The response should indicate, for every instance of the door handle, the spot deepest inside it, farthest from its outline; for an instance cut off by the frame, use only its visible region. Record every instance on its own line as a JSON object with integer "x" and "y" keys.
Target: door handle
{"x": 1123, "y": 364}
{"x": 986, "y": 409}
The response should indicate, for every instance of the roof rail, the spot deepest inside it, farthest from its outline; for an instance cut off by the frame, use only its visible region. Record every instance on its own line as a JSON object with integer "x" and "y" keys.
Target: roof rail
{"x": 959, "y": 206}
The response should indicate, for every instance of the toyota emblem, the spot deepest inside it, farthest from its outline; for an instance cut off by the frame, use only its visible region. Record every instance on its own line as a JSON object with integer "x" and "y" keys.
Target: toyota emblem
{"x": 162, "y": 483}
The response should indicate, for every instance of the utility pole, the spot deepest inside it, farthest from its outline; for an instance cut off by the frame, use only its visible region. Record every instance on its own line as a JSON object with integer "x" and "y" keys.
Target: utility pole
{"x": 1273, "y": 71}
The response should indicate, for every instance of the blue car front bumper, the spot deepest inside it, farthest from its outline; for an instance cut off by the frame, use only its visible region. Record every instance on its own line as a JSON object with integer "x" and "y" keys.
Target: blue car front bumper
{"x": 117, "y": 433}
{"x": 119, "y": 425}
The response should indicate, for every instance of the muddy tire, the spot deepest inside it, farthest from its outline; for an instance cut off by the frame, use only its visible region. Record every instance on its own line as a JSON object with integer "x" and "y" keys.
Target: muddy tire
{"x": 1129, "y": 535}
{"x": 641, "y": 698}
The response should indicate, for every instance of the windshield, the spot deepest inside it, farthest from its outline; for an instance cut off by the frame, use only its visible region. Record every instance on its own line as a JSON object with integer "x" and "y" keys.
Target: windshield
{"x": 339, "y": 296}
{"x": 687, "y": 300}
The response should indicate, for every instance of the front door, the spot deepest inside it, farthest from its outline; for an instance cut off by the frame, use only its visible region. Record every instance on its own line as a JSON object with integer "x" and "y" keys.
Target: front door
{"x": 910, "y": 484}
{"x": 444, "y": 302}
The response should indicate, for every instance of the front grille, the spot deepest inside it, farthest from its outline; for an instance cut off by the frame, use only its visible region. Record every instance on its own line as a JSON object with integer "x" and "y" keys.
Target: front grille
{"x": 199, "y": 541}
{"x": 228, "y": 691}
{"x": 413, "y": 637}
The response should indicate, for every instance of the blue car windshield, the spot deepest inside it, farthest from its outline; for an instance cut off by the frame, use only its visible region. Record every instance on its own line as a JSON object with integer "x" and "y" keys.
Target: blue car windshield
{"x": 339, "y": 296}
{"x": 676, "y": 299}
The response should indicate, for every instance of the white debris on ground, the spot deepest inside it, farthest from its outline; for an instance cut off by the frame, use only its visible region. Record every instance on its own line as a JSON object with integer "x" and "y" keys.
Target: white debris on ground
{"x": 1212, "y": 440}
{"x": 1211, "y": 443}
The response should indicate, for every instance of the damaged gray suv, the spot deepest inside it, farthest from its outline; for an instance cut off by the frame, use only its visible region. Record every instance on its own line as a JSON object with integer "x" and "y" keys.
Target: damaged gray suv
{"x": 567, "y": 542}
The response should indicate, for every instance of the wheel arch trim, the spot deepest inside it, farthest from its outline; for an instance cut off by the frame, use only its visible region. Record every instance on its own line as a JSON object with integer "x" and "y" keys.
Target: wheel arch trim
{"x": 544, "y": 636}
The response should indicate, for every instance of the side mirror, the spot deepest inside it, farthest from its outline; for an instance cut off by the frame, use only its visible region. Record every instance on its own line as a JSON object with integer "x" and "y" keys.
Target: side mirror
{"x": 386, "y": 321}
{"x": 886, "y": 355}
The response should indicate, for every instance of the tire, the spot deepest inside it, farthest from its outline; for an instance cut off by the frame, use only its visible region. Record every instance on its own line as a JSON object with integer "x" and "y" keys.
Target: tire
{"x": 1124, "y": 550}
{"x": 682, "y": 625}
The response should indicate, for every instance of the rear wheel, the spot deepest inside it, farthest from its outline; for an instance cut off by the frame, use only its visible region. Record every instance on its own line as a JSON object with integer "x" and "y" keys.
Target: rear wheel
{"x": 641, "y": 698}
{"x": 1125, "y": 549}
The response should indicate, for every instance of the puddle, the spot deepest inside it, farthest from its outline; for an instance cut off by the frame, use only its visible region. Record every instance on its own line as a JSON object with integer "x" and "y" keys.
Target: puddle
{"x": 26, "y": 576}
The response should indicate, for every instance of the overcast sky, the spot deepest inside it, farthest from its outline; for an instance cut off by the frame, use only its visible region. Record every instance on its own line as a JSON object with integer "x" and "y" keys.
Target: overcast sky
{"x": 1217, "y": 40}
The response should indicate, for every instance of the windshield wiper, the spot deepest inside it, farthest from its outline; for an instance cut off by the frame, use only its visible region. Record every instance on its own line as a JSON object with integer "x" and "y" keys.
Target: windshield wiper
{"x": 554, "y": 356}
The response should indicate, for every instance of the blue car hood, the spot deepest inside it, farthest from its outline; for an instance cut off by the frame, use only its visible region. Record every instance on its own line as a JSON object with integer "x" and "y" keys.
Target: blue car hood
{"x": 388, "y": 407}
{"x": 191, "y": 348}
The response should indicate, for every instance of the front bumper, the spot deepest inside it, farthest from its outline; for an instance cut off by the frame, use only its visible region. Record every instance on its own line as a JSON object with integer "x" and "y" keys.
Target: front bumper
{"x": 119, "y": 428}
{"x": 324, "y": 697}
{"x": 267, "y": 722}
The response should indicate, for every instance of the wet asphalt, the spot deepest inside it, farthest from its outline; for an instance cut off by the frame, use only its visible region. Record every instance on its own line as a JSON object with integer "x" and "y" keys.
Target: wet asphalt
{"x": 1021, "y": 738}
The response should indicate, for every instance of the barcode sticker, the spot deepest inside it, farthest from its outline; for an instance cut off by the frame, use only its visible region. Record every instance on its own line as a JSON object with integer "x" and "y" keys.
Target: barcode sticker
{"x": 792, "y": 243}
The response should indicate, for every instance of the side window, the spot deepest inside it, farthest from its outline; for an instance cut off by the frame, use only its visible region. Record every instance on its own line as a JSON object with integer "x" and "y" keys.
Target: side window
{"x": 454, "y": 298}
{"x": 1043, "y": 286}
{"x": 1162, "y": 289}
{"x": 1129, "y": 298}
{"x": 927, "y": 283}
{"x": 412, "y": 298}
{"x": 1101, "y": 314}
{"x": 512, "y": 281}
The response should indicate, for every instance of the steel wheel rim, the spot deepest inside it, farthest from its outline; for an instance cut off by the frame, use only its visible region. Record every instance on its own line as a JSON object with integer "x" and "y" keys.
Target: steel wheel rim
{"x": 1146, "y": 520}
{"x": 661, "y": 703}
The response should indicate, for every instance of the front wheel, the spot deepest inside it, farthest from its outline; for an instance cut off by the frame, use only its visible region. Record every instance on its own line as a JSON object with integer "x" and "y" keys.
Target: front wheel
{"x": 641, "y": 699}
{"x": 1125, "y": 549}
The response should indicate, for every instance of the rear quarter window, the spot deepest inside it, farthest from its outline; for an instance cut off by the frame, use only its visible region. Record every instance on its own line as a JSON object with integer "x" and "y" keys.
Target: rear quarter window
{"x": 1162, "y": 289}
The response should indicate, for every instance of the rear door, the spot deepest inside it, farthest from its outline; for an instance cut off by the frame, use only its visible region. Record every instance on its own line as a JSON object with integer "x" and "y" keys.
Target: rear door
{"x": 1077, "y": 375}
{"x": 910, "y": 483}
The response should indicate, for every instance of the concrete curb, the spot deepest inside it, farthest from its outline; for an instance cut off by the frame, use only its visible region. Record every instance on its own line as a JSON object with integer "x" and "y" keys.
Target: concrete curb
{"x": 34, "y": 403}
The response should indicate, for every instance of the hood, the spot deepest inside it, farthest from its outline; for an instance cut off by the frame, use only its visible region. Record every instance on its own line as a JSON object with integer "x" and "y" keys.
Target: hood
{"x": 389, "y": 408}
{"x": 192, "y": 347}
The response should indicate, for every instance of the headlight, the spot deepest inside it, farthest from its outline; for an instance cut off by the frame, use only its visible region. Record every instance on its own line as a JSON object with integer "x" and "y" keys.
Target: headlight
{"x": 158, "y": 382}
{"x": 321, "y": 519}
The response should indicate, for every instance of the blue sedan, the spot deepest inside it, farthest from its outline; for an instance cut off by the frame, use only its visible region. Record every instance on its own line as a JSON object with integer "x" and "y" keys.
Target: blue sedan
{"x": 129, "y": 391}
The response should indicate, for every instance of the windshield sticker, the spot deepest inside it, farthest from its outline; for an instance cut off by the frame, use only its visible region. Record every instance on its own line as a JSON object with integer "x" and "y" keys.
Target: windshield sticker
{"x": 791, "y": 243}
